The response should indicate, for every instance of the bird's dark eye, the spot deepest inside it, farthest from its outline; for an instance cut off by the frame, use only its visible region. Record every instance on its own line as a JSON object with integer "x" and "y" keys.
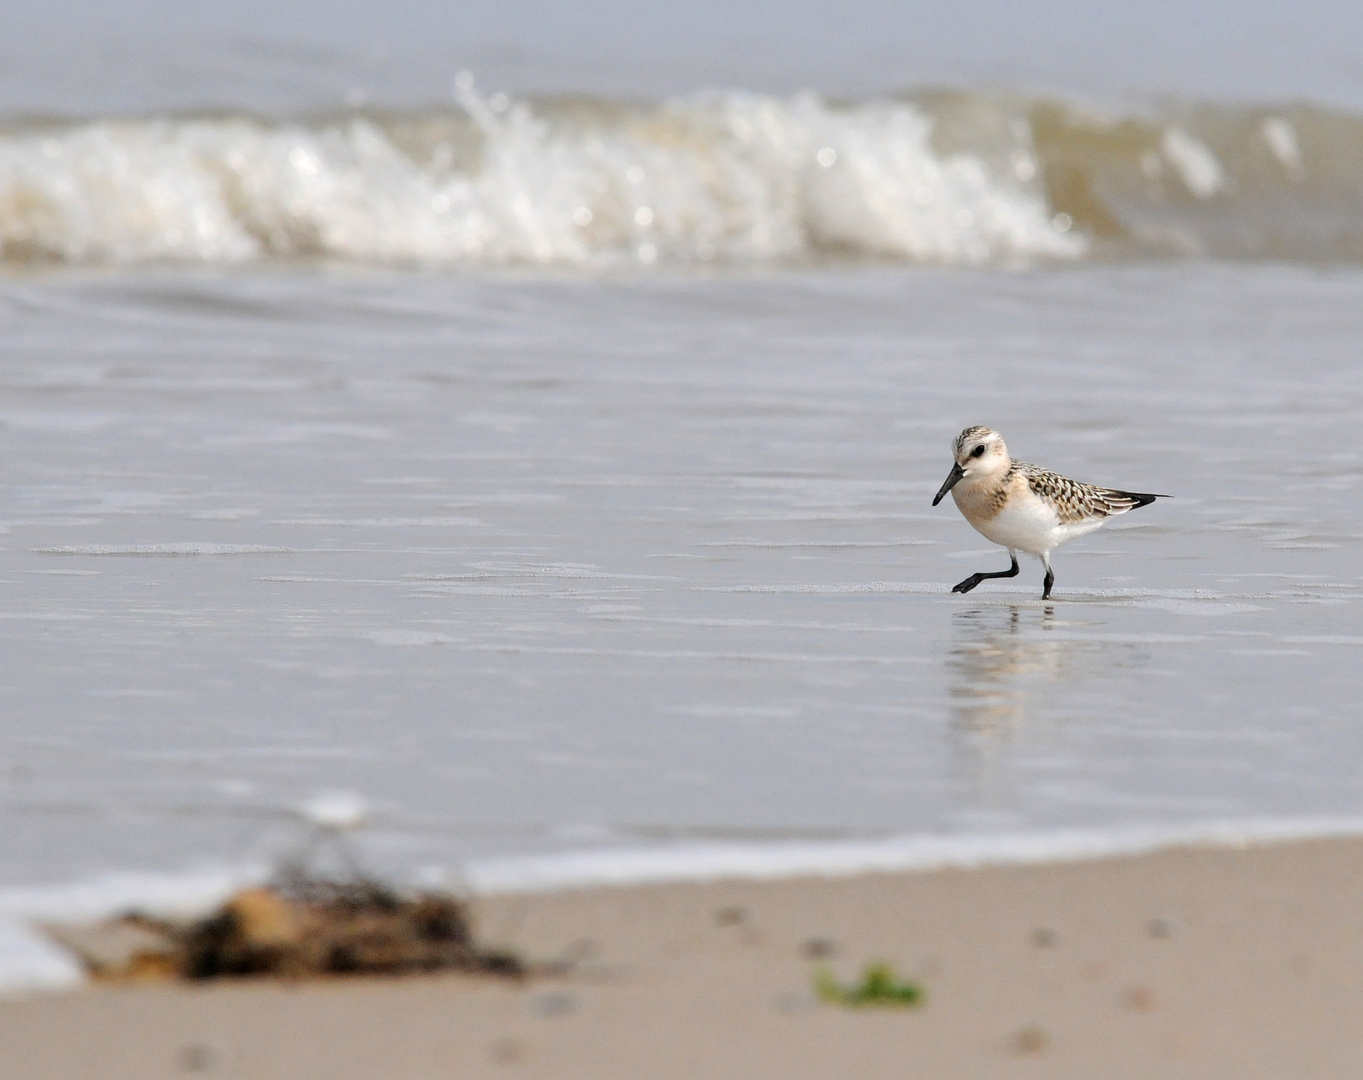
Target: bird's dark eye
{"x": 977, "y": 452}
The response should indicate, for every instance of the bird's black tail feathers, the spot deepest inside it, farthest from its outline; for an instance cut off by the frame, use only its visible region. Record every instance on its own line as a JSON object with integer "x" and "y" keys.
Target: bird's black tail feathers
{"x": 1141, "y": 498}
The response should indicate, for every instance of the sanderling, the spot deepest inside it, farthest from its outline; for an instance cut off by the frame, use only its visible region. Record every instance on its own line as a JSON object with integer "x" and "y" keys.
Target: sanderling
{"x": 1022, "y": 507}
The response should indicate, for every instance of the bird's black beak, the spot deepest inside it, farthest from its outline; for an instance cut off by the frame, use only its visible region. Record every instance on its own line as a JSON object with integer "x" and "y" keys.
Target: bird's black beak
{"x": 956, "y": 473}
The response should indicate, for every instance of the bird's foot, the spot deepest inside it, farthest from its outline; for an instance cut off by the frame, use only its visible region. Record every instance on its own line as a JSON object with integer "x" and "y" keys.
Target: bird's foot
{"x": 968, "y": 584}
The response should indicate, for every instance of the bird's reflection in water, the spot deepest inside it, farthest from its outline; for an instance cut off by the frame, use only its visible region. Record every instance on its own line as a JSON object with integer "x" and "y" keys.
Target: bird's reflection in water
{"x": 1015, "y": 671}
{"x": 998, "y": 656}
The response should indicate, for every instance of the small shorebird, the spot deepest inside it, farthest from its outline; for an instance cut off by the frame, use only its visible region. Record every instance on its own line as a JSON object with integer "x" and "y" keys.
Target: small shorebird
{"x": 1022, "y": 507}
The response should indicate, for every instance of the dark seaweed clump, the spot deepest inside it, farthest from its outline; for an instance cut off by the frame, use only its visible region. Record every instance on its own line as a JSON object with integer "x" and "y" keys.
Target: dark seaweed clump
{"x": 307, "y": 926}
{"x": 297, "y": 927}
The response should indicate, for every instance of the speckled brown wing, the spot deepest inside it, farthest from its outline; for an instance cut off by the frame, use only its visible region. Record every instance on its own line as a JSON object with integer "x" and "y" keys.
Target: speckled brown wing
{"x": 1074, "y": 501}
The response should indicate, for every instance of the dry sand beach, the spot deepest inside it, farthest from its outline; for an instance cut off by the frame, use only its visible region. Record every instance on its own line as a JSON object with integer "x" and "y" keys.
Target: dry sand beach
{"x": 1200, "y": 963}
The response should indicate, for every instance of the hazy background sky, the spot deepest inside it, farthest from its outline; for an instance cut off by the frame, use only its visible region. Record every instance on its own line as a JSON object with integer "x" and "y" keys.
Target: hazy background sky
{"x": 95, "y": 56}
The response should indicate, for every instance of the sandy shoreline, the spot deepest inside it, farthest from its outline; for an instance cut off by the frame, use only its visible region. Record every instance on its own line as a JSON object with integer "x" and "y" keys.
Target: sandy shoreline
{"x": 1203, "y": 963}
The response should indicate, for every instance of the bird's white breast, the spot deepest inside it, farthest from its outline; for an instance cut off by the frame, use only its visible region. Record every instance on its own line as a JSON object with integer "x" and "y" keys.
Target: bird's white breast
{"x": 1025, "y": 522}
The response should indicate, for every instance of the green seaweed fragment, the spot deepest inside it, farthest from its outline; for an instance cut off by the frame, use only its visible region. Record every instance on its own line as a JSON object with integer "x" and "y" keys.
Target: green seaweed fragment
{"x": 878, "y": 986}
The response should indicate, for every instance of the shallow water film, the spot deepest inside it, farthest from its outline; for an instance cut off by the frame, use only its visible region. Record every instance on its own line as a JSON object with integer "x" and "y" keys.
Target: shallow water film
{"x": 527, "y": 565}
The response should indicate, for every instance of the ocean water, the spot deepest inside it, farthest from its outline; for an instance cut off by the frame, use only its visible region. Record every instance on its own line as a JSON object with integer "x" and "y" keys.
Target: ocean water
{"x": 531, "y": 563}
{"x": 541, "y": 471}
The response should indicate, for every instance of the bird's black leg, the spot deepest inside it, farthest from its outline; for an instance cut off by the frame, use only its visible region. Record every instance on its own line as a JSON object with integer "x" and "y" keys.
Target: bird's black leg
{"x": 1050, "y": 580}
{"x": 974, "y": 579}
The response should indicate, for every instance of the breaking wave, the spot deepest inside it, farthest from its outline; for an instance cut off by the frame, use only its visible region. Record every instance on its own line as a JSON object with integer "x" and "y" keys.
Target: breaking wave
{"x": 712, "y": 178}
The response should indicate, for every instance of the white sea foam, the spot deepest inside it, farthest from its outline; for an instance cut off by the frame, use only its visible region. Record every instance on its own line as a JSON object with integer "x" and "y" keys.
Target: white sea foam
{"x": 1281, "y": 138}
{"x": 712, "y": 177}
{"x": 1197, "y": 166}
{"x": 762, "y": 862}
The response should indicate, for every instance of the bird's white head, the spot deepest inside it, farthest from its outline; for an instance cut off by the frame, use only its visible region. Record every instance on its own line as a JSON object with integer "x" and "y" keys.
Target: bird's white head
{"x": 980, "y": 455}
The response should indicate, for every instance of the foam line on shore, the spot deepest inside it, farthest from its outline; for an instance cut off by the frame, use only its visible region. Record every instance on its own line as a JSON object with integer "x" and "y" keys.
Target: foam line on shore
{"x": 764, "y": 862}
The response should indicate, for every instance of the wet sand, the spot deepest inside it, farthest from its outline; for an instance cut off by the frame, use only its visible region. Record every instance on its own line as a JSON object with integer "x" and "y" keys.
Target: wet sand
{"x": 1197, "y": 963}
